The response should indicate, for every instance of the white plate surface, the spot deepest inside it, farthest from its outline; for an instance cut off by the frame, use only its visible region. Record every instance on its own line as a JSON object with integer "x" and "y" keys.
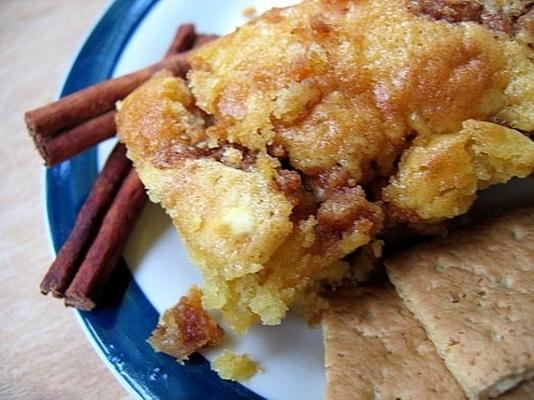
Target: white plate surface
{"x": 290, "y": 355}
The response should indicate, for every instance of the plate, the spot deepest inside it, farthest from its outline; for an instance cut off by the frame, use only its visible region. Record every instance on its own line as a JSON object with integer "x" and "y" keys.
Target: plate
{"x": 155, "y": 271}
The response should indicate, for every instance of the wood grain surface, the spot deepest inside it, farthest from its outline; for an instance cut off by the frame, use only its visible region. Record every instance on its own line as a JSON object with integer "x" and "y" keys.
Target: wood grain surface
{"x": 43, "y": 352}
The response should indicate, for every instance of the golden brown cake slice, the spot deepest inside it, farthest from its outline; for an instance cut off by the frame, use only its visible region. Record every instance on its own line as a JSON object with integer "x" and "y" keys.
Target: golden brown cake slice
{"x": 273, "y": 156}
{"x": 233, "y": 208}
{"x": 375, "y": 349}
{"x": 474, "y": 294}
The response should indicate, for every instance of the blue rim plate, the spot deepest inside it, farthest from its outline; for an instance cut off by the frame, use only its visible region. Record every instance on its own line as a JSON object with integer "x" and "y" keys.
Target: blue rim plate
{"x": 119, "y": 330}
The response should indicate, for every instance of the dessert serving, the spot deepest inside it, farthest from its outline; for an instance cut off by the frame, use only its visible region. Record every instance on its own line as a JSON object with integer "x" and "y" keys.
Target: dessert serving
{"x": 316, "y": 129}
{"x": 295, "y": 153}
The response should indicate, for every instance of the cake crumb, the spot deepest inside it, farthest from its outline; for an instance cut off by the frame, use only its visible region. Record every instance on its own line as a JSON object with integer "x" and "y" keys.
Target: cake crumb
{"x": 250, "y": 13}
{"x": 235, "y": 367}
{"x": 232, "y": 156}
{"x": 186, "y": 328}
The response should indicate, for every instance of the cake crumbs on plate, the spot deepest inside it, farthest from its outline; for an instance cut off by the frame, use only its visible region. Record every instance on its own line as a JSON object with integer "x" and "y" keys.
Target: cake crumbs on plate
{"x": 235, "y": 367}
{"x": 250, "y": 13}
{"x": 186, "y": 328}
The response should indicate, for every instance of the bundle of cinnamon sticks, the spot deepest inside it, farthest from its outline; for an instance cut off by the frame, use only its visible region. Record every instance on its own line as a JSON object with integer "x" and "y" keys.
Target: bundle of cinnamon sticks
{"x": 67, "y": 127}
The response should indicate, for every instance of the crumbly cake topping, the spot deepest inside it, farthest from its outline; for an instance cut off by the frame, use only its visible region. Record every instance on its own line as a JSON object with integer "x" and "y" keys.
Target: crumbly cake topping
{"x": 498, "y": 15}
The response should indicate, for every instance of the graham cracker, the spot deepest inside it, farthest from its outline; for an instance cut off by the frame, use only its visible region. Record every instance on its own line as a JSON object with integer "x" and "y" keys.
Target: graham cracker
{"x": 474, "y": 294}
{"x": 525, "y": 391}
{"x": 375, "y": 349}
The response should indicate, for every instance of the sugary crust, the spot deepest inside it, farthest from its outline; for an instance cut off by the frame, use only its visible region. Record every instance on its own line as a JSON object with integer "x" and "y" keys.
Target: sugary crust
{"x": 474, "y": 294}
{"x": 334, "y": 97}
{"x": 375, "y": 349}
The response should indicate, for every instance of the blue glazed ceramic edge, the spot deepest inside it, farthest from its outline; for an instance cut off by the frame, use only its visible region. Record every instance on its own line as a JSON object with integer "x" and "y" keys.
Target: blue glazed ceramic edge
{"x": 121, "y": 328}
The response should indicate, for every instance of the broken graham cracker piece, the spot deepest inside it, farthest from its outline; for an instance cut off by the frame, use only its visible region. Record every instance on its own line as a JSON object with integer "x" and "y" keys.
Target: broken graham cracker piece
{"x": 186, "y": 328}
{"x": 474, "y": 294}
{"x": 375, "y": 349}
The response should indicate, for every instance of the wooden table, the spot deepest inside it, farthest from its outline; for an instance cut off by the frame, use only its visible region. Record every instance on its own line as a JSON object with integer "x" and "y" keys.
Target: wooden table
{"x": 43, "y": 352}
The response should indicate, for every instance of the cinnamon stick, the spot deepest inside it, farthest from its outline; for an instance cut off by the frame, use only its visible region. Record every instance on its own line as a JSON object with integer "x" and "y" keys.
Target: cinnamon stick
{"x": 64, "y": 267}
{"x": 82, "y": 137}
{"x": 111, "y": 198}
{"x": 72, "y": 110}
{"x": 184, "y": 39}
{"x": 86, "y": 287}
{"x": 77, "y": 122}
{"x": 47, "y": 123}
{"x": 201, "y": 40}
